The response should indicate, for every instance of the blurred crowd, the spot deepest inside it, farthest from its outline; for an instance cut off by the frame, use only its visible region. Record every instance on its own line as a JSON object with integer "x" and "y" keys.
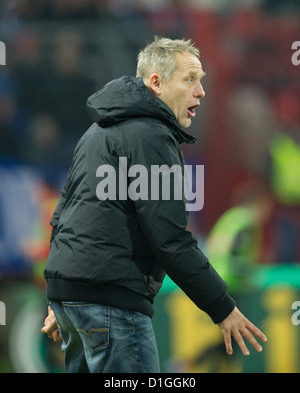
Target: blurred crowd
{"x": 60, "y": 51}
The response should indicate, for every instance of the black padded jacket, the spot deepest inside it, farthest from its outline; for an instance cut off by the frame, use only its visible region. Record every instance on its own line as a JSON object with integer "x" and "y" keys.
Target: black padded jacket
{"x": 116, "y": 251}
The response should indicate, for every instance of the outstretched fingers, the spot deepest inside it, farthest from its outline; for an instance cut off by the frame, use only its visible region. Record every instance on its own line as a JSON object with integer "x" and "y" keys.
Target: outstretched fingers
{"x": 227, "y": 341}
{"x": 236, "y": 325}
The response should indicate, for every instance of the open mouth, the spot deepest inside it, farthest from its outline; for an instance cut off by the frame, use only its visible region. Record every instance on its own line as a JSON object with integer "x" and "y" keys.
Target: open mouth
{"x": 191, "y": 110}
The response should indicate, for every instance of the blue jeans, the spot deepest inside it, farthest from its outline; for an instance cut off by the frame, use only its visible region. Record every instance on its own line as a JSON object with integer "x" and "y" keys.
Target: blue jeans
{"x": 103, "y": 339}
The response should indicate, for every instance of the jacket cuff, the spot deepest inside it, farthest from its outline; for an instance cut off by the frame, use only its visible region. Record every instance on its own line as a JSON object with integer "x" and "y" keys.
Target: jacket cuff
{"x": 221, "y": 308}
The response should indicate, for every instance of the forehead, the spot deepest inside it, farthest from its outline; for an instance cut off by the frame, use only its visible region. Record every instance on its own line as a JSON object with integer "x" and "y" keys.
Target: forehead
{"x": 187, "y": 63}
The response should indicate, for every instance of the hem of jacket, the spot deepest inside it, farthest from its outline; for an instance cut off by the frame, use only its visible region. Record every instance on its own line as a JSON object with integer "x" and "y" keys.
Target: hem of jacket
{"x": 114, "y": 296}
{"x": 221, "y": 308}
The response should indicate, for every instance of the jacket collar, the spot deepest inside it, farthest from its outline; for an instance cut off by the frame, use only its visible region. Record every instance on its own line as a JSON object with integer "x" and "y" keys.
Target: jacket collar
{"x": 128, "y": 97}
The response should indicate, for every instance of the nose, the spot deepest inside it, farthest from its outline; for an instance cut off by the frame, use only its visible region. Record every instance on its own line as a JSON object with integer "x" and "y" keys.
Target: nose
{"x": 199, "y": 91}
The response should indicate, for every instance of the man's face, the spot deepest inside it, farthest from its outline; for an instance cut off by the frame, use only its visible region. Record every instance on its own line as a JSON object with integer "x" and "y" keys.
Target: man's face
{"x": 183, "y": 91}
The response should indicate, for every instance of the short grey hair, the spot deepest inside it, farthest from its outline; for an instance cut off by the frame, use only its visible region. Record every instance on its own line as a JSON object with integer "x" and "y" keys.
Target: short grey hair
{"x": 160, "y": 56}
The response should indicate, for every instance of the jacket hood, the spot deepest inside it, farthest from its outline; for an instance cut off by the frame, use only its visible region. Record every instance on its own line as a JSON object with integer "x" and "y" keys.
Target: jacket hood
{"x": 128, "y": 97}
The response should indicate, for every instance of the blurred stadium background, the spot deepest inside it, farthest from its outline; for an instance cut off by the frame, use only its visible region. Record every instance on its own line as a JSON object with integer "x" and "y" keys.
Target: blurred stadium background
{"x": 248, "y": 129}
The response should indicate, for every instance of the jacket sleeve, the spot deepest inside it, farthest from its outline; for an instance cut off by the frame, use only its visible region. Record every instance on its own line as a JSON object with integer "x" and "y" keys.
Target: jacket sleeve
{"x": 164, "y": 223}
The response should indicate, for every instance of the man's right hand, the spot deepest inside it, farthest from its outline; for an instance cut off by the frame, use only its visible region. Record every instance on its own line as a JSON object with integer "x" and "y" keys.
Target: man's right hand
{"x": 50, "y": 327}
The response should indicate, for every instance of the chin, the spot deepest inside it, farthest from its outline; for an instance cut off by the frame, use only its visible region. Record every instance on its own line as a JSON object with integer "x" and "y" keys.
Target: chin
{"x": 186, "y": 124}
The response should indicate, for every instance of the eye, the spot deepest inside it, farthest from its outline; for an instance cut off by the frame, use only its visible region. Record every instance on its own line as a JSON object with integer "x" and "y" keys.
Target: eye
{"x": 190, "y": 79}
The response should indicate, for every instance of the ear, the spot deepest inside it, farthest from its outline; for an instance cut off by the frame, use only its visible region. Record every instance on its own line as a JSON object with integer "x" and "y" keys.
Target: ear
{"x": 154, "y": 84}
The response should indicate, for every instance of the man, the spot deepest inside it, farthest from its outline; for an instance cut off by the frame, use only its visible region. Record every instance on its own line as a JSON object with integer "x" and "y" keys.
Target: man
{"x": 108, "y": 257}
